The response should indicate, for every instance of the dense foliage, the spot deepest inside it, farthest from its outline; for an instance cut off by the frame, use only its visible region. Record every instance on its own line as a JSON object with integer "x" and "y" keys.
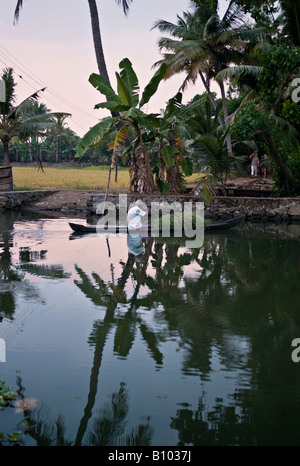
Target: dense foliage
{"x": 252, "y": 52}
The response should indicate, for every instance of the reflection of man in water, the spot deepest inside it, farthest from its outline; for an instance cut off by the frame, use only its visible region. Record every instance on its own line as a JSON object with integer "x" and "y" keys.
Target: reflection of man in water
{"x": 134, "y": 224}
{"x": 135, "y": 245}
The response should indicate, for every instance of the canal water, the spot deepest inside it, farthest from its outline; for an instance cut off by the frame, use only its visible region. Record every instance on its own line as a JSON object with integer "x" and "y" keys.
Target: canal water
{"x": 171, "y": 347}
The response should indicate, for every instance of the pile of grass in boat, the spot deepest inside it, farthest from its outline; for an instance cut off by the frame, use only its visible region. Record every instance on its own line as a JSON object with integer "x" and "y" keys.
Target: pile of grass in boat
{"x": 192, "y": 220}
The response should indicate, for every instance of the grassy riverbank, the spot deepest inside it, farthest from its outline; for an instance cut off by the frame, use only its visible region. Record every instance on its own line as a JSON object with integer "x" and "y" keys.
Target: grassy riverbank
{"x": 62, "y": 177}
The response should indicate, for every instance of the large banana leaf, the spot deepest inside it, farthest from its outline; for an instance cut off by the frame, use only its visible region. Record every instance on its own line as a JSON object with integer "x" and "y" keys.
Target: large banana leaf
{"x": 129, "y": 78}
{"x": 114, "y": 106}
{"x": 153, "y": 84}
{"x": 123, "y": 91}
{"x": 121, "y": 138}
{"x": 133, "y": 113}
{"x": 187, "y": 167}
{"x": 94, "y": 135}
{"x": 149, "y": 122}
{"x": 167, "y": 152}
{"x": 102, "y": 86}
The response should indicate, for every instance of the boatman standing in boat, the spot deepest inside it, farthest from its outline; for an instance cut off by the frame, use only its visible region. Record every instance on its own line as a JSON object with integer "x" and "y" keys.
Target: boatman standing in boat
{"x": 134, "y": 224}
{"x": 134, "y": 217}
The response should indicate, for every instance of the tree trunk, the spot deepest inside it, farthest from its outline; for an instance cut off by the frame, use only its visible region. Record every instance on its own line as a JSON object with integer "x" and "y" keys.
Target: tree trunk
{"x": 173, "y": 174}
{"x": 291, "y": 181}
{"x": 16, "y": 153}
{"x": 97, "y": 40}
{"x": 142, "y": 169}
{"x": 225, "y": 111}
{"x": 6, "y": 153}
{"x": 57, "y": 148}
{"x": 99, "y": 50}
{"x": 212, "y": 99}
{"x": 161, "y": 168}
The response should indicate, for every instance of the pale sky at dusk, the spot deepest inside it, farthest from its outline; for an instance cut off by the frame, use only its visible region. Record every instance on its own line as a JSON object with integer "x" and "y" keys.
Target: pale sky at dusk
{"x": 51, "y": 46}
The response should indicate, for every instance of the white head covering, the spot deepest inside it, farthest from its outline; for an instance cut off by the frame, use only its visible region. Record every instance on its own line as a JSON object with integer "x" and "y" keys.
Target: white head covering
{"x": 134, "y": 218}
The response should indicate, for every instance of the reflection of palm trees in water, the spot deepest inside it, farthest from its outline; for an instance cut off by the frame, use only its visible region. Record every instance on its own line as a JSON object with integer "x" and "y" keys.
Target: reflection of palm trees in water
{"x": 163, "y": 288}
{"x": 101, "y": 294}
{"x": 7, "y": 271}
{"x": 109, "y": 296}
{"x": 108, "y": 427}
{"x": 199, "y": 307}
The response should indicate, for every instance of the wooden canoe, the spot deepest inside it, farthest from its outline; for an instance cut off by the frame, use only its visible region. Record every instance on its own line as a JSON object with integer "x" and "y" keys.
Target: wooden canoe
{"x": 226, "y": 224}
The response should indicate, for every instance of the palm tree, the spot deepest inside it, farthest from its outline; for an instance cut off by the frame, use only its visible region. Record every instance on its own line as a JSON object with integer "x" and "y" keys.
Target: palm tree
{"x": 23, "y": 121}
{"x": 95, "y": 23}
{"x": 202, "y": 44}
{"x": 290, "y": 17}
{"x": 207, "y": 143}
{"x": 95, "y": 30}
{"x": 260, "y": 116}
{"x": 59, "y": 130}
{"x": 97, "y": 34}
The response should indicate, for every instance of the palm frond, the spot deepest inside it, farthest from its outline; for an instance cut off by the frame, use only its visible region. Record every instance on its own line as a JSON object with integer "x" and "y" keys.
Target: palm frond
{"x": 291, "y": 20}
{"x": 233, "y": 16}
{"x": 18, "y": 10}
{"x": 125, "y": 5}
{"x": 210, "y": 26}
{"x": 178, "y": 31}
{"x": 236, "y": 72}
{"x": 173, "y": 105}
{"x": 25, "y": 105}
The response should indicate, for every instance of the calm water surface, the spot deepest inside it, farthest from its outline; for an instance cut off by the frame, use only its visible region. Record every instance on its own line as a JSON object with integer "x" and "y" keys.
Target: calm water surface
{"x": 180, "y": 347}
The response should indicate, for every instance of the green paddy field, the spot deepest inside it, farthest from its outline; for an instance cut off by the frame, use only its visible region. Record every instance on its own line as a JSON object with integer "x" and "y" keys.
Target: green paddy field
{"x": 63, "y": 177}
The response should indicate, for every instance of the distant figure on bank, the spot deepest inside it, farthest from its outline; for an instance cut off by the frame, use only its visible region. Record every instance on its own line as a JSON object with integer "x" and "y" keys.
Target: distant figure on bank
{"x": 254, "y": 164}
{"x": 265, "y": 165}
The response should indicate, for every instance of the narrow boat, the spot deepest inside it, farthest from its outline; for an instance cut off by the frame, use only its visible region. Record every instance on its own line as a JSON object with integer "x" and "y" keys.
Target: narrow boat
{"x": 226, "y": 224}
{"x": 78, "y": 228}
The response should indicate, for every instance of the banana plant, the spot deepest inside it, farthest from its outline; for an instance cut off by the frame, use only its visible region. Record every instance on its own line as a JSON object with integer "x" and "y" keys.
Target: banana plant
{"x": 171, "y": 163}
{"x": 125, "y": 106}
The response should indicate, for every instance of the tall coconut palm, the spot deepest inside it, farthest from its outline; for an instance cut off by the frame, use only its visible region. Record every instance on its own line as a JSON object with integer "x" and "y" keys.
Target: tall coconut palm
{"x": 95, "y": 30}
{"x": 95, "y": 23}
{"x": 202, "y": 44}
{"x": 23, "y": 121}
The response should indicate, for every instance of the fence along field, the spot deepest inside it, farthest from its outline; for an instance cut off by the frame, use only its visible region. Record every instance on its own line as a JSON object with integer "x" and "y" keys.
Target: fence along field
{"x": 6, "y": 179}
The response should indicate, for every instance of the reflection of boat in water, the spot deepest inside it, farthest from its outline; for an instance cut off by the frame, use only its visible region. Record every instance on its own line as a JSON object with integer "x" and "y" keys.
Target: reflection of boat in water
{"x": 223, "y": 225}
